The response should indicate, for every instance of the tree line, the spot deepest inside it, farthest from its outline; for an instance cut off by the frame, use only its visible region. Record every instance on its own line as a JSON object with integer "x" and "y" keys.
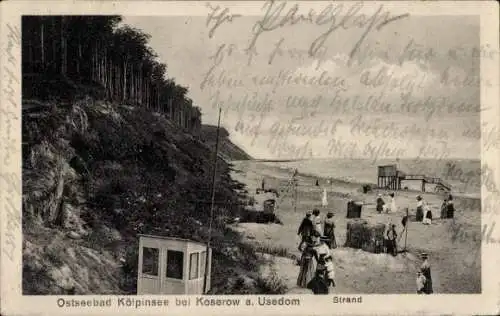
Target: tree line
{"x": 98, "y": 50}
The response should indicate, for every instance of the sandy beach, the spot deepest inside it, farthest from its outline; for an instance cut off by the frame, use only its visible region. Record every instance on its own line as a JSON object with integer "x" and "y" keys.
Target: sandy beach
{"x": 453, "y": 245}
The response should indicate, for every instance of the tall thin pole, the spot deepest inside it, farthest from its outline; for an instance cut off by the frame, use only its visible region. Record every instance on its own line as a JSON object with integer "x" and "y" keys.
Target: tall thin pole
{"x": 406, "y": 232}
{"x": 212, "y": 204}
{"x": 295, "y": 184}
{"x": 397, "y": 182}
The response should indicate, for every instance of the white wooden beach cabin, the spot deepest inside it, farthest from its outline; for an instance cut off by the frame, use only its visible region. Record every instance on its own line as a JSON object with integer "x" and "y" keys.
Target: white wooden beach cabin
{"x": 169, "y": 265}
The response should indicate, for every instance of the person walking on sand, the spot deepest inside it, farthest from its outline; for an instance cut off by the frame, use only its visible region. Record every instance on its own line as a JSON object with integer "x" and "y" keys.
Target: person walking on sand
{"x": 317, "y": 221}
{"x": 450, "y": 209}
{"x": 322, "y": 251}
{"x": 324, "y": 276}
{"x": 393, "y": 208}
{"x": 420, "y": 209}
{"x": 444, "y": 209}
{"x": 427, "y": 215}
{"x": 324, "y": 200}
{"x": 305, "y": 229}
{"x": 380, "y": 203}
{"x": 391, "y": 241}
{"x": 308, "y": 262}
{"x": 329, "y": 231}
{"x": 426, "y": 271}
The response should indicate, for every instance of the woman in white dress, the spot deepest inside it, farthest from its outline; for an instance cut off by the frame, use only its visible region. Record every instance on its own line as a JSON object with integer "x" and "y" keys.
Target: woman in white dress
{"x": 393, "y": 207}
{"x": 324, "y": 200}
{"x": 427, "y": 220}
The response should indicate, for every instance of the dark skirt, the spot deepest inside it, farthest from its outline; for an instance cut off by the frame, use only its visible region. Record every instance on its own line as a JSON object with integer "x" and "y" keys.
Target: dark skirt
{"x": 380, "y": 208}
{"x": 428, "y": 287}
{"x": 331, "y": 242}
{"x": 428, "y": 215}
{"x": 391, "y": 247}
{"x": 428, "y": 281}
{"x": 307, "y": 270}
{"x": 450, "y": 211}
{"x": 420, "y": 214}
{"x": 444, "y": 211}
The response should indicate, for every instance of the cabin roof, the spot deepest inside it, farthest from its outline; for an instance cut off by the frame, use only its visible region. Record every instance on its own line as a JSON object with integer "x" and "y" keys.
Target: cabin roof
{"x": 171, "y": 238}
{"x": 387, "y": 166}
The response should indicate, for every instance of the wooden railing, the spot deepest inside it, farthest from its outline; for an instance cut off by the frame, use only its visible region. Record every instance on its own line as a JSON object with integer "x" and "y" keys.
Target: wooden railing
{"x": 431, "y": 180}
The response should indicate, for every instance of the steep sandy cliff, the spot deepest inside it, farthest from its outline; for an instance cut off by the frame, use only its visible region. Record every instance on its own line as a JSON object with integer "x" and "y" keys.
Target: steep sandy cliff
{"x": 95, "y": 174}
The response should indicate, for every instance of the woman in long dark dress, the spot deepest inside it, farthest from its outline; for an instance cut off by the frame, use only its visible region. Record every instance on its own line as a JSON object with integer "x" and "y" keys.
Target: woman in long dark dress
{"x": 320, "y": 282}
{"x": 420, "y": 209}
{"x": 329, "y": 231}
{"x": 444, "y": 209}
{"x": 450, "y": 209}
{"x": 308, "y": 262}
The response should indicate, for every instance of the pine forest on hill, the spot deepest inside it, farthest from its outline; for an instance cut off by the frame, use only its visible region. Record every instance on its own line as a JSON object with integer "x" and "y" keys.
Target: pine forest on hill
{"x": 95, "y": 52}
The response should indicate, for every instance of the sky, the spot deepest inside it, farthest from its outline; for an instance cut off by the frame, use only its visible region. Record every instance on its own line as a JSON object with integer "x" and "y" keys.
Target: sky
{"x": 395, "y": 98}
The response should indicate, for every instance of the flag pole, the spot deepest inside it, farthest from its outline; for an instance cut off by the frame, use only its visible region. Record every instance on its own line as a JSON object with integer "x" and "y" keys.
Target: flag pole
{"x": 205, "y": 278}
{"x": 407, "y": 224}
{"x": 295, "y": 193}
{"x": 406, "y": 229}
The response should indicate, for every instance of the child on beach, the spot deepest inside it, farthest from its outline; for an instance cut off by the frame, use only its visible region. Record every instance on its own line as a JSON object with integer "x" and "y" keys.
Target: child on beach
{"x": 325, "y": 261}
{"x": 330, "y": 272}
{"x": 427, "y": 220}
{"x": 318, "y": 284}
{"x": 420, "y": 282}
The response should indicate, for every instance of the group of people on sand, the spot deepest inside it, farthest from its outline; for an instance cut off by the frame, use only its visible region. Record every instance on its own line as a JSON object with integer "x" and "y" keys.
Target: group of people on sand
{"x": 390, "y": 234}
{"x": 383, "y": 207}
{"x": 447, "y": 208}
{"x": 317, "y": 239}
{"x": 424, "y": 213}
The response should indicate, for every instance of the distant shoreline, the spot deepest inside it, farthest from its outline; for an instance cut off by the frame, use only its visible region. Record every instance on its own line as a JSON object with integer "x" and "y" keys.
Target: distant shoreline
{"x": 349, "y": 182}
{"x": 354, "y": 159}
{"x": 277, "y": 160}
